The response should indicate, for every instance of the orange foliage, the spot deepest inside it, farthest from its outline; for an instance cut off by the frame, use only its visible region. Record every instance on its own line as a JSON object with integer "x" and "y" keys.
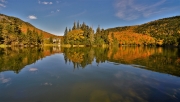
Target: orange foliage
{"x": 129, "y": 54}
{"x": 128, "y": 37}
{"x": 76, "y": 57}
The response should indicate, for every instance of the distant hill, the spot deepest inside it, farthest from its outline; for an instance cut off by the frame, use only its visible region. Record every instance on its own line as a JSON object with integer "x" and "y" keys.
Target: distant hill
{"x": 165, "y": 31}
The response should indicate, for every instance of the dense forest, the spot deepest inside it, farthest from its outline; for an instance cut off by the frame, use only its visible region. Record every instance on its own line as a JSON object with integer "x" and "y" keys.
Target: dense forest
{"x": 82, "y": 34}
{"x": 166, "y": 31}
{"x": 161, "y": 32}
{"x": 14, "y": 31}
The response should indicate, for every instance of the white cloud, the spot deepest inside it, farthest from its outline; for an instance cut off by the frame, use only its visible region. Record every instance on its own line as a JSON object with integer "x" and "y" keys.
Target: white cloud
{"x": 32, "y": 17}
{"x": 57, "y": 10}
{"x": 33, "y": 69}
{"x": 132, "y": 9}
{"x": 45, "y": 2}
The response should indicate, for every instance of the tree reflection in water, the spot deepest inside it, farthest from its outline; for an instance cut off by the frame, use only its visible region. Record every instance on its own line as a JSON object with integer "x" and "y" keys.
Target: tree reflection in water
{"x": 163, "y": 60}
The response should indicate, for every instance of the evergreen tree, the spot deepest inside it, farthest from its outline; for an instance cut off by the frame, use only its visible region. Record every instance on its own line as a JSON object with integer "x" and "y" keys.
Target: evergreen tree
{"x": 65, "y": 36}
{"x": 74, "y": 27}
{"x": 78, "y": 26}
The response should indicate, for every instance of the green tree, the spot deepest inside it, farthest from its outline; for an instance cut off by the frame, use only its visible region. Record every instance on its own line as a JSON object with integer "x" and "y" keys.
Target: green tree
{"x": 91, "y": 36}
{"x": 29, "y": 37}
{"x": 66, "y": 36}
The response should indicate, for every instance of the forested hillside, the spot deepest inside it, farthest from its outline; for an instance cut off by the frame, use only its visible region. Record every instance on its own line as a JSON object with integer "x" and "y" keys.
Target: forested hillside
{"x": 161, "y": 32}
{"x": 14, "y": 31}
{"x": 165, "y": 31}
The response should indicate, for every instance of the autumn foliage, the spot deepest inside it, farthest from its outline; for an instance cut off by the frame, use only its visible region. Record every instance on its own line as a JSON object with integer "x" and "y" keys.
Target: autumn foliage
{"x": 128, "y": 37}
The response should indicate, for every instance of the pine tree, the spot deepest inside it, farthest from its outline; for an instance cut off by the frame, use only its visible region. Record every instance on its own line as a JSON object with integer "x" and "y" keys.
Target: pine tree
{"x": 78, "y": 26}
{"x": 65, "y": 36}
{"x": 74, "y": 27}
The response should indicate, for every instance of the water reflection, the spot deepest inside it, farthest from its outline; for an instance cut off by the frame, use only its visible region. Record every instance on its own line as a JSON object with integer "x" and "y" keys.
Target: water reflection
{"x": 16, "y": 58}
{"x": 155, "y": 59}
{"x": 103, "y": 75}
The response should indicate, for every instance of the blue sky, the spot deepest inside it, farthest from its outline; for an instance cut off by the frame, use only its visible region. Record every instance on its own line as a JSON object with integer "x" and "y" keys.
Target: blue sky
{"x": 54, "y": 15}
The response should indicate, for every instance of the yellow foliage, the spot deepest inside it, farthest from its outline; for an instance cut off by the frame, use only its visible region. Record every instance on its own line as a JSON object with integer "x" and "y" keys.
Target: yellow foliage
{"x": 75, "y": 34}
{"x": 128, "y": 37}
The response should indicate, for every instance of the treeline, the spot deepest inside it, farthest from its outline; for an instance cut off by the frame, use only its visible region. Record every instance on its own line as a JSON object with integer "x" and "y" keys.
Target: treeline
{"x": 163, "y": 32}
{"x": 82, "y": 34}
{"x": 166, "y": 31}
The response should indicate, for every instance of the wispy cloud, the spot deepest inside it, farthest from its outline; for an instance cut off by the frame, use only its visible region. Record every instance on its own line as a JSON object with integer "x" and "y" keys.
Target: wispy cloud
{"x": 53, "y": 13}
{"x": 45, "y": 2}
{"x": 2, "y": 3}
{"x": 4, "y": 80}
{"x": 32, "y": 17}
{"x": 132, "y": 9}
{"x": 78, "y": 14}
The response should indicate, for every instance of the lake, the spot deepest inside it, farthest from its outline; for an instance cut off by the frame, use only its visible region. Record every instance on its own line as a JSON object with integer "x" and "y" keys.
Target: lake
{"x": 123, "y": 74}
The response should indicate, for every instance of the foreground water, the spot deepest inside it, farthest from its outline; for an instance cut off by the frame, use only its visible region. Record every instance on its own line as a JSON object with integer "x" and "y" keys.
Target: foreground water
{"x": 54, "y": 74}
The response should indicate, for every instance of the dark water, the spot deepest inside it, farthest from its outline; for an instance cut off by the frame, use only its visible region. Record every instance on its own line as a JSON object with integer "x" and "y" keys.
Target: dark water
{"x": 54, "y": 74}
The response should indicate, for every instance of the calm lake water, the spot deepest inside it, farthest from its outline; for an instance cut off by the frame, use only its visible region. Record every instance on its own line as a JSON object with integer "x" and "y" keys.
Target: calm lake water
{"x": 124, "y": 74}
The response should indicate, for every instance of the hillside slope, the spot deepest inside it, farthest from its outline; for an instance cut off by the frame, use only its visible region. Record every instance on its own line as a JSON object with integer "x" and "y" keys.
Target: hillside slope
{"x": 9, "y": 20}
{"x": 165, "y": 31}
